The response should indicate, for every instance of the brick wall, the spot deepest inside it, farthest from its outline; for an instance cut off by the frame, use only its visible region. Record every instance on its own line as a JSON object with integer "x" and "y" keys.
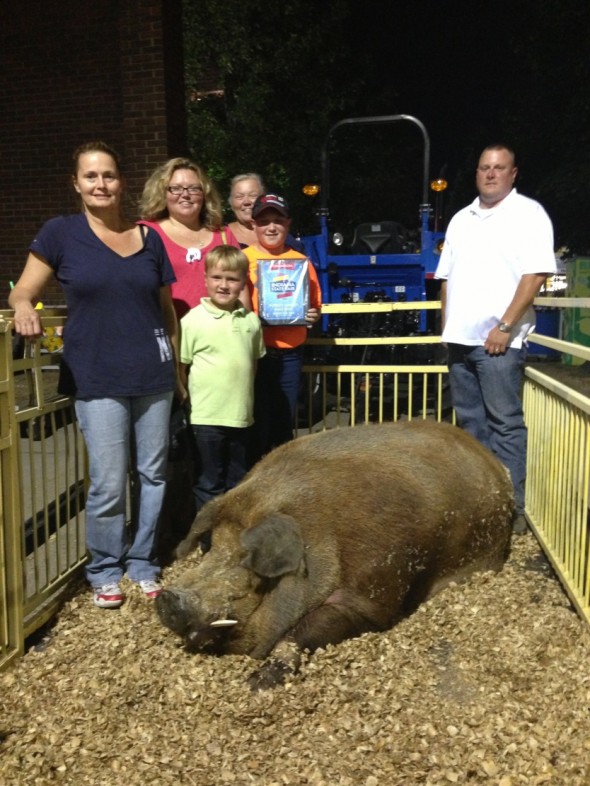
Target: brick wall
{"x": 72, "y": 71}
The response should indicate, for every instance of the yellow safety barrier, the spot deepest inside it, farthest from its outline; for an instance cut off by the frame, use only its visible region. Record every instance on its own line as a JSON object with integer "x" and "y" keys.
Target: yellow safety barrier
{"x": 42, "y": 469}
{"x": 558, "y": 475}
{"x": 347, "y": 395}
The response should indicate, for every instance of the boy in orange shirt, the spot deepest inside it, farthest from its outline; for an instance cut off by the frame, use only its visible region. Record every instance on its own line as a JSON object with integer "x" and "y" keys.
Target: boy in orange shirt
{"x": 279, "y": 372}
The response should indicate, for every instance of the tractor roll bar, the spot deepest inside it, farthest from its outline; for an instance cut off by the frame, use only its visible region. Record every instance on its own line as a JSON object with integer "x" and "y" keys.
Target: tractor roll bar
{"x": 379, "y": 119}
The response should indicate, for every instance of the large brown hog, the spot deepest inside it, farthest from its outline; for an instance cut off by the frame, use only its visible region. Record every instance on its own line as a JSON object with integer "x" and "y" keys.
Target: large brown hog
{"x": 339, "y": 533}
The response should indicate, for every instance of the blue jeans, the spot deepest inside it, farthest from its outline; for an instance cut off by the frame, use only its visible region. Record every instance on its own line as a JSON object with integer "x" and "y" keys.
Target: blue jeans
{"x": 118, "y": 431}
{"x": 486, "y": 394}
{"x": 222, "y": 460}
{"x": 275, "y": 399}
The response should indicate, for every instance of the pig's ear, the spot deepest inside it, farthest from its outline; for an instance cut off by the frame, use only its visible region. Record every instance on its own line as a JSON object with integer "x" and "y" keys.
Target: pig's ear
{"x": 273, "y": 547}
{"x": 202, "y": 523}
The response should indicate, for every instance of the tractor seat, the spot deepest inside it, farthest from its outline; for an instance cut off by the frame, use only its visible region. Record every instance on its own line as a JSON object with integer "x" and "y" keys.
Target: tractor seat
{"x": 382, "y": 237}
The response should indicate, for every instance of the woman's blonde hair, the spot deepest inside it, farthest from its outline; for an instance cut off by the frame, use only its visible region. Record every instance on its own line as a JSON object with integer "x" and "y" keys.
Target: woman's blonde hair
{"x": 153, "y": 200}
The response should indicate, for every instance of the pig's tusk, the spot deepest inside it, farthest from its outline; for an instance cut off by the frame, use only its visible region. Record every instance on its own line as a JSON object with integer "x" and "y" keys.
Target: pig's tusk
{"x": 223, "y": 623}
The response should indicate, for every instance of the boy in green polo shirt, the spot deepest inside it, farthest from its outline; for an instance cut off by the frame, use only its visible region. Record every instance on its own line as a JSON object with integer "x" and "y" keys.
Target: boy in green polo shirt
{"x": 220, "y": 344}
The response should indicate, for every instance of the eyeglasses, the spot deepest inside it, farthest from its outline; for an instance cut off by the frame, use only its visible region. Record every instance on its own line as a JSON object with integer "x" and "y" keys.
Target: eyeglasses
{"x": 177, "y": 190}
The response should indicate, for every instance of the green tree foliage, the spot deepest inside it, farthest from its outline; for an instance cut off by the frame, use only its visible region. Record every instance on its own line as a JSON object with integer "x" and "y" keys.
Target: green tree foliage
{"x": 286, "y": 77}
{"x": 474, "y": 74}
{"x": 549, "y": 117}
{"x": 527, "y": 87}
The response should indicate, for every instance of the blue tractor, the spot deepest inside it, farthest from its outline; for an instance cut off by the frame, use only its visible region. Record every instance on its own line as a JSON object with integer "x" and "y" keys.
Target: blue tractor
{"x": 377, "y": 258}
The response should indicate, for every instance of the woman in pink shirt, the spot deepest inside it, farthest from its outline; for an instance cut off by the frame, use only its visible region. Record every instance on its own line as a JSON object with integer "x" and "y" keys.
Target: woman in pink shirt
{"x": 181, "y": 203}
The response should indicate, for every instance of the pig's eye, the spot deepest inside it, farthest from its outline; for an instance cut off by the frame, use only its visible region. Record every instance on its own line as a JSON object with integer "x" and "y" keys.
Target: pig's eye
{"x": 266, "y": 584}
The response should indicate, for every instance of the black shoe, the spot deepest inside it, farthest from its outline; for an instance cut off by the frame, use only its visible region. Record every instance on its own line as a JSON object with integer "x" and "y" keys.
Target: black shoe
{"x": 519, "y": 525}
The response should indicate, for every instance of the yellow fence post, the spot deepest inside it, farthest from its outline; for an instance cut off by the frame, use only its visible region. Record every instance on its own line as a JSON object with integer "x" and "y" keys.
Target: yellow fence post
{"x": 11, "y": 574}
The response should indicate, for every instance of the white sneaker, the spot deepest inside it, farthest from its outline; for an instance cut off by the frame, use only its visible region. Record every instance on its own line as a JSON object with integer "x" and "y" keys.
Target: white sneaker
{"x": 109, "y": 596}
{"x": 150, "y": 588}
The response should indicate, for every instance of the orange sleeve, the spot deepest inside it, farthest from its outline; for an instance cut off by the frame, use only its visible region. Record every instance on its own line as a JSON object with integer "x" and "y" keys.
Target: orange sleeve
{"x": 315, "y": 291}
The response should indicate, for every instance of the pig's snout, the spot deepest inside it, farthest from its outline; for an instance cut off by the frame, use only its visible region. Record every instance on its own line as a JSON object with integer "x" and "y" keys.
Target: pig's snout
{"x": 177, "y": 611}
{"x": 181, "y": 611}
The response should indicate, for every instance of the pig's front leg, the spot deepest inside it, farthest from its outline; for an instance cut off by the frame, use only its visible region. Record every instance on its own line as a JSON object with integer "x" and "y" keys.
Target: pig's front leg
{"x": 330, "y": 623}
{"x": 334, "y": 622}
{"x": 283, "y": 662}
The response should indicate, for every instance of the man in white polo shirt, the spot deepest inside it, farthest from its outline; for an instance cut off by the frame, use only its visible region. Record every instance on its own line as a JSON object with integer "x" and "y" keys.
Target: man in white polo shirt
{"x": 498, "y": 252}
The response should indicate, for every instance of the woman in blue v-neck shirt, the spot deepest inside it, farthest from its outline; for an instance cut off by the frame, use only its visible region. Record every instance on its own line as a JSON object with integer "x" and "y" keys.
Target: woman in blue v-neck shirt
{"x": 118, "y": 362}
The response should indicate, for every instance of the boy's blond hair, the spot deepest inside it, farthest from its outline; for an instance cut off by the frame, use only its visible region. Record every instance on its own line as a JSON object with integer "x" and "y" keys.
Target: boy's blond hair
{"x": 227, "y": 257}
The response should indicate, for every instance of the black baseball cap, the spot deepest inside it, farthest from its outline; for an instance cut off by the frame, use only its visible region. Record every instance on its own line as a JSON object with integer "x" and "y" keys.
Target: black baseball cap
{"x": 274, "y": 201}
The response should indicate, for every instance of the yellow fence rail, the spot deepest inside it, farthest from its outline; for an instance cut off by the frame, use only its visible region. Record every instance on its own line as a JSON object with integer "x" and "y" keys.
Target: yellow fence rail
{"x": 43, "y": 470}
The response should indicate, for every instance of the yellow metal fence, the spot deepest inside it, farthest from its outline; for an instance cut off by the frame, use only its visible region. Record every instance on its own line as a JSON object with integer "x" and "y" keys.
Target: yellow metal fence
{"x": 558, "y": 476}
{"x": 42, "y": 460}
{"x": 558, "y": 473}
{"x": 558, "y": 467}
{"x": 349, "y": 394}
{"x": 42, "y": 470}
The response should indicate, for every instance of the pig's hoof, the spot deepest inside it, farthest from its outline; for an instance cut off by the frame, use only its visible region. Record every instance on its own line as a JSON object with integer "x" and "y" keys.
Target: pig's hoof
{"x": 271, "y": 674}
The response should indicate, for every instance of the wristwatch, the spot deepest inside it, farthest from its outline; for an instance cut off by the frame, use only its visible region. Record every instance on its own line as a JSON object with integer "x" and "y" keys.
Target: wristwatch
{"x": 504, "y": 327}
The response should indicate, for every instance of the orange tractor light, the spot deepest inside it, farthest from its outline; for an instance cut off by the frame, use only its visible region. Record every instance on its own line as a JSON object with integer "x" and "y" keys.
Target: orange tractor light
{"x": 311, "y": 189}
{"x": 439, "y": 184}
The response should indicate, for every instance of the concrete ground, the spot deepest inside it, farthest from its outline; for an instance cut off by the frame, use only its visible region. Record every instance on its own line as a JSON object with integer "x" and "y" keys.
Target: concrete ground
{"x": 576, "y": 377}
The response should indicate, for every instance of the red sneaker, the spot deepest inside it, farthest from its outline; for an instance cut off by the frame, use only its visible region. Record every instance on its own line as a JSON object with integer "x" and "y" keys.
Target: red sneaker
{"x": 109, "y": 596}
{"x": 150, "y": 588}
